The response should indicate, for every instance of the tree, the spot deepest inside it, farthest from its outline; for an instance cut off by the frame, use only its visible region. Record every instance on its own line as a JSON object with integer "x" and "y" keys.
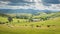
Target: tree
{"x": 30, "y": 19}
{"x": 10, "y": 19}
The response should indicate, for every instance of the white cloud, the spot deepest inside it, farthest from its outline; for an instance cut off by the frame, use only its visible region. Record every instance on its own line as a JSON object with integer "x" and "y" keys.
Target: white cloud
{"x": 54, "y": 7}
{"x": 29, "y": 0}
{"x": 33, "y": 0}
{"x": 4, "y": 2}
{"x": 38, "y": 5}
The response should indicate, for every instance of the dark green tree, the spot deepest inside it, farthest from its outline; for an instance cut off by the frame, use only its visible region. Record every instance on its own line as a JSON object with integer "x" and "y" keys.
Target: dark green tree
{"x": 10, "y": 19}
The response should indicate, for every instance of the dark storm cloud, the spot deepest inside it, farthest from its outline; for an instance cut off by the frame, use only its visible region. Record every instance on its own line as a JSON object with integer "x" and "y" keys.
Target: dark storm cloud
{"x": 52, "y": 1}
{"x": 17, "y": 2}
{"x": 44, "y": 1}
{"x": 13, "y": 1}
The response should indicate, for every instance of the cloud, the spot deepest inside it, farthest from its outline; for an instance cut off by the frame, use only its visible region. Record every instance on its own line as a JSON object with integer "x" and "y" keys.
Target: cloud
{"x": 37, "y": 5}
{"x": 52, "y": 1}
{"x": 54, "y": 7}
{"x": 4, "y": 3}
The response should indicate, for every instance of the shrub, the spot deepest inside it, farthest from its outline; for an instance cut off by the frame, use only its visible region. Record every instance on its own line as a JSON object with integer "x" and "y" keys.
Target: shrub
{"x": 38, "y": 26}
{"x": 18, "y": 21}
{"x": 48, "y": 25}
{"x": 6, "y": 22}
{"x": 2, "y": 22}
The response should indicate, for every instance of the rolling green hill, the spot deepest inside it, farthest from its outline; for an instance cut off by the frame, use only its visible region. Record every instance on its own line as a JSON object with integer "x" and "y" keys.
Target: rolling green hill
{"x": 24, "y": 26}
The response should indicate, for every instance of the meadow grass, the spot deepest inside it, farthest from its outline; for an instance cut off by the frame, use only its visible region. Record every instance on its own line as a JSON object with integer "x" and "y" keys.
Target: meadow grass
{"x": 24, "y": 27}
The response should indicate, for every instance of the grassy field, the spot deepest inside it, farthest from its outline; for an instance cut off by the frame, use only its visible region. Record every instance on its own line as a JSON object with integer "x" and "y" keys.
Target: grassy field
{"x": 24, "y": 27}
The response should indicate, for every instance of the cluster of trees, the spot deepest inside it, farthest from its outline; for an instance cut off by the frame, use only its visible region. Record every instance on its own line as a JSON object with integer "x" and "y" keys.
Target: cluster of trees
{"x": 4, "y": 15}
{"x": 42, "y": 16}
{"x": 22, "y": 17}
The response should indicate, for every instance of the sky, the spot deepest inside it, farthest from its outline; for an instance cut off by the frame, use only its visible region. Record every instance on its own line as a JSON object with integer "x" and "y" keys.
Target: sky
{"x": 30, "y": 4}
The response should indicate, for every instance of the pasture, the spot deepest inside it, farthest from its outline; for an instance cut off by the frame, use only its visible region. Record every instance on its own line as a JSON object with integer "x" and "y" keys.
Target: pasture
{"x": 51, "y": 26}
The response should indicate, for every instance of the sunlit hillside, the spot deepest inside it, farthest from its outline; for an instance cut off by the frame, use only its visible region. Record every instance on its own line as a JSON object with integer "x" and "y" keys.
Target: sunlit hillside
{"x": 23, "y": 25}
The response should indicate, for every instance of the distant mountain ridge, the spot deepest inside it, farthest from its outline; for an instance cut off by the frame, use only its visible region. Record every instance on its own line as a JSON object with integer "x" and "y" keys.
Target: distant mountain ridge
{"x": 31, "y": 11}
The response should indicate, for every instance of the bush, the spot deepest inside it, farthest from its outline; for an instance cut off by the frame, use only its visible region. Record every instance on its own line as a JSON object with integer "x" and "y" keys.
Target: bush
{"x": 48, "y": 25}
{"x": 2, "y": 22}
{"x": 18, "y": 21}
{"x": 38, "y": 26}
{"x": 6, "y": 22}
